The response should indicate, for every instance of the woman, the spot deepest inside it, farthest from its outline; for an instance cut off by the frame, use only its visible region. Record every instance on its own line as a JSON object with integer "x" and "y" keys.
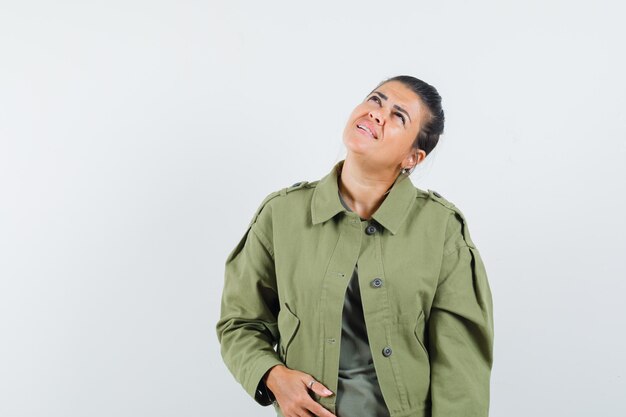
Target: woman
{"x": 361, "y": 294}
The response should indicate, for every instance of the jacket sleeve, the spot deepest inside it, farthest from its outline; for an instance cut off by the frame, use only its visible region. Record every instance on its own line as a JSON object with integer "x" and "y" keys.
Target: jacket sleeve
{"x": 460, "y": 329}
{"x": 247, "y": 328}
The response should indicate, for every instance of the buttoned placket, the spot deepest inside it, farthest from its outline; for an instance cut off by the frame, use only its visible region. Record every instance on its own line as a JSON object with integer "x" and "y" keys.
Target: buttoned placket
{"x": 377, "y": 309}
{"x": 359, "y": 242}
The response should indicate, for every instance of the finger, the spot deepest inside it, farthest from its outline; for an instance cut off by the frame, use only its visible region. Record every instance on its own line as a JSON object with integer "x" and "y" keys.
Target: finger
{"x": 303, "y": 412}
{"x": 318, "y": 410}
{"x": 299, "y": 413}
{"x": 319, "y": 388}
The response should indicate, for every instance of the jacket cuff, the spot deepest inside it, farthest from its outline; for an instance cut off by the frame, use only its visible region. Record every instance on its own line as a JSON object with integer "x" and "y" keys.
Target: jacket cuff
{"x": 264, "y": 395}
{"x": 255, "y": 386}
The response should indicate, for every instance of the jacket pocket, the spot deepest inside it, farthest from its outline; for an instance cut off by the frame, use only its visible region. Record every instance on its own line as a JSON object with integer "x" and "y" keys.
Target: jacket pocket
{"x": 288, "y": 324}
{"x": 420, "y": 331}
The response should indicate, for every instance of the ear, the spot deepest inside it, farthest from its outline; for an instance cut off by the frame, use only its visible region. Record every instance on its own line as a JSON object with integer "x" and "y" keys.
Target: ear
{"x": 414, "y": 157}
{"x": 420, "y": 156}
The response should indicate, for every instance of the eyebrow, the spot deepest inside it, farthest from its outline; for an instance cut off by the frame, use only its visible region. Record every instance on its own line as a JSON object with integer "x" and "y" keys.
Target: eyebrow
{"x": 395, "y": 106}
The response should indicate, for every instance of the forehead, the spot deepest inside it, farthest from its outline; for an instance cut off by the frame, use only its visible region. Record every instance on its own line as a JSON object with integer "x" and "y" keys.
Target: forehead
{"x": 403, "y": 96}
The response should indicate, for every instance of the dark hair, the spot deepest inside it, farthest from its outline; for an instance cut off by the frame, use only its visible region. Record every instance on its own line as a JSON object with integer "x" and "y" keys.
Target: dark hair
{"x": 428, "y": 136}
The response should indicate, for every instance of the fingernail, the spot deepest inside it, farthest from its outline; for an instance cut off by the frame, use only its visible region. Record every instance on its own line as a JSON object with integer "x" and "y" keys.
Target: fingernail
{"x": 327, "y": 391}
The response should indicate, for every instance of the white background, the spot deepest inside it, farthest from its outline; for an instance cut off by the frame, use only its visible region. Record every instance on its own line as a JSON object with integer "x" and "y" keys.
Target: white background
{"x": 137, "y": 138}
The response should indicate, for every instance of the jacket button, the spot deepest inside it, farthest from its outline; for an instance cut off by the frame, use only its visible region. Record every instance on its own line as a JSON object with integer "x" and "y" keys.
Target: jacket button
{"x": 377, "y": 282}
{"x": 387, "y": 352}
{"x": 370, "y": 229}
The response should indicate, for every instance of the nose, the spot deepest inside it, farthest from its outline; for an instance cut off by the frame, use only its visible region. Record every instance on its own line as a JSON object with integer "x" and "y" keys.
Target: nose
{"x": 377, "y": 116}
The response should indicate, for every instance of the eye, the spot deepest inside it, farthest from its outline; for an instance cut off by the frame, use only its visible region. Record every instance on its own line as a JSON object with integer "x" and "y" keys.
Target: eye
{"x": 401, "y": 117}
{"x": 375, "y": 98}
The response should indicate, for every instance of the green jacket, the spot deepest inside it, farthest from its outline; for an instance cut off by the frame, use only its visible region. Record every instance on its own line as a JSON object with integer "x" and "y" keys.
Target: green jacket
{"x": 426, "y": 299}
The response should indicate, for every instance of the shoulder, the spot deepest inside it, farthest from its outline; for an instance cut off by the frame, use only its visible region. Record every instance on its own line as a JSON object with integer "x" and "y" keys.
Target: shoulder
{"x": 436, "y": 200}
{"x": 457, "y": 224}
{"x": 277, "y": 195}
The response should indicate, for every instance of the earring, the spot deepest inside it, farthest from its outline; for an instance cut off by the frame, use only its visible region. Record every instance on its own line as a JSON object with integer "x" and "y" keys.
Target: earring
{"x": 404, "y": 170}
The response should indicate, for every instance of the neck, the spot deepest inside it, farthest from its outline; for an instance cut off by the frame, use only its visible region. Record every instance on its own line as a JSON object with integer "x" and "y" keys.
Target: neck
{"x": 362, "y": 190}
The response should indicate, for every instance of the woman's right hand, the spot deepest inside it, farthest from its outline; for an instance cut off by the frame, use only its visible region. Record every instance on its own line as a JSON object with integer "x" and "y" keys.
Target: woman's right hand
{"x": 290, "y": 389}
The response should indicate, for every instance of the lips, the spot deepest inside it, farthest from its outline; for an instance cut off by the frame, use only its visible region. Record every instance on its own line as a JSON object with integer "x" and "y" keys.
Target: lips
{"x": 367, "y": 128}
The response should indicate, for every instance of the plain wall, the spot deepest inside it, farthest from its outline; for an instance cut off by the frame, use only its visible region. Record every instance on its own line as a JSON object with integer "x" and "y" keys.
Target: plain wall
{"x": 137, "y": 138}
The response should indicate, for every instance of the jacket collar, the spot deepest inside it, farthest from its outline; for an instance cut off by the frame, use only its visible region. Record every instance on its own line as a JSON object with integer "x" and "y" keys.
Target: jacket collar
{"x": 325, "y": 203}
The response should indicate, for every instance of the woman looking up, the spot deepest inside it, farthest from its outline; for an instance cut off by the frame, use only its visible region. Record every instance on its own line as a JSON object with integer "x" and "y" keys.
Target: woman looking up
{"x": 360, "y": 294}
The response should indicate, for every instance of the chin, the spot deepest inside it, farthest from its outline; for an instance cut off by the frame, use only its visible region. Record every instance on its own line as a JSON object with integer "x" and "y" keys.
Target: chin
{"x": 353, "y": 144}
{"x": 357, "y": 142}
